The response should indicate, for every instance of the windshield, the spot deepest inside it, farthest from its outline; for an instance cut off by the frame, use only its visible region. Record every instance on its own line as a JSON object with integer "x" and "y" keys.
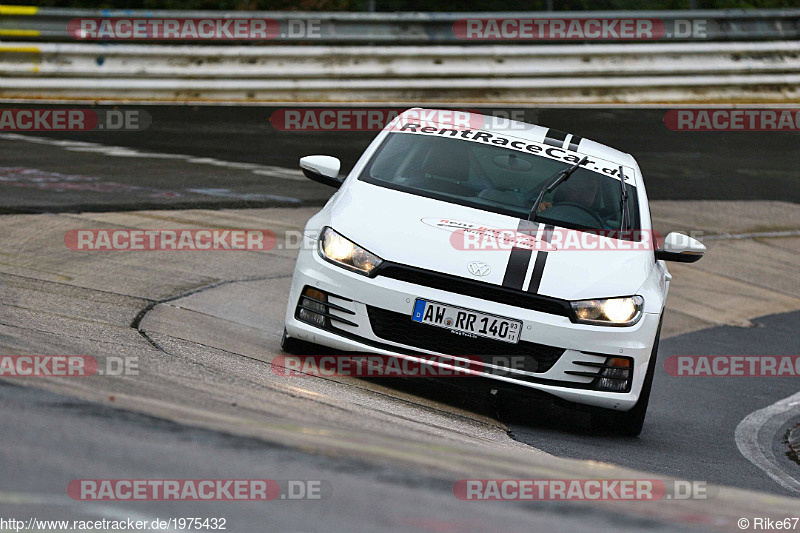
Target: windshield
{"x": 500, "y": 180}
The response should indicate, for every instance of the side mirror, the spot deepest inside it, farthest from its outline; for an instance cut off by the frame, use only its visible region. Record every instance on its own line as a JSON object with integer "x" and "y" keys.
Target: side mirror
{"x": 322, "y": 169}
{"x": 680, "y": 248}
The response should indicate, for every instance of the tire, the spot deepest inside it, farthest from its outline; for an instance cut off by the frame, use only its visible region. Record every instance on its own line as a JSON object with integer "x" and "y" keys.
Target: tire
{"x": 630, "y": 423}
{"x": 295, "y": 346}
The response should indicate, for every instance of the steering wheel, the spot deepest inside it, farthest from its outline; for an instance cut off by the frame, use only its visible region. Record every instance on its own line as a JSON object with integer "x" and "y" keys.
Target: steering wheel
{"x": 568, "y": 207}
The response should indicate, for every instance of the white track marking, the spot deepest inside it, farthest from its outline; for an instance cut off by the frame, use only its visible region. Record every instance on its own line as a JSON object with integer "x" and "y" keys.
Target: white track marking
{"x": 227, "y": 193}
{"x": 120, "y": 151}
{"x": 770, "y": 419}
{"x": 758, "y": 235}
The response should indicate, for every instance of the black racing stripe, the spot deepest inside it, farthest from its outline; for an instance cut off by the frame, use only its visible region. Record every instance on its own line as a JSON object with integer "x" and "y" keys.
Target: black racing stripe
{"x": 517, "y": 268}
{"x": 574, "y": 143}
{"x": 555, "y": 137}
{"x": 547, "y": 234}
{"x": 538, "y": 270}
{"x": 518, "y": 261}
{"x": 541, "y": 259}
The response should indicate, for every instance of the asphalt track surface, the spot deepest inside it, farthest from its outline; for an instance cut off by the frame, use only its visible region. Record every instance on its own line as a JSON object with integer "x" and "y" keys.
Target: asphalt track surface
{"x": 690, "y": 419}
{"x": 677, "y": 165}
{"x": 53, "y": 436}
{"x": 78, "y": 437}
{"x": 51, "y": 439}
{"x": 80, "y": 440}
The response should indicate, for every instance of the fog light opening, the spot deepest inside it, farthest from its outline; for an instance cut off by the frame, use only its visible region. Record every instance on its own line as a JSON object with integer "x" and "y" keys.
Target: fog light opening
{"x": 616, "y": 376}
{"x": 313, "y": 307}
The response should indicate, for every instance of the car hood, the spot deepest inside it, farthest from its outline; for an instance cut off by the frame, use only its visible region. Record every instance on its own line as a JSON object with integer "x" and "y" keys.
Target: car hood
{"x": 422, "y": 232}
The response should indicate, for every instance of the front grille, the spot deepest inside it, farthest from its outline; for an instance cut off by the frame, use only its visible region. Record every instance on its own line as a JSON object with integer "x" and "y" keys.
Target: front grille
{"x": 398, "y": 327}
{"x": 476, "y": 289}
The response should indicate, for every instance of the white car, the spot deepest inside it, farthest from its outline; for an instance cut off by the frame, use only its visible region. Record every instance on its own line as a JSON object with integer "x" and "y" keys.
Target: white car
{"x": 457, "y": 238}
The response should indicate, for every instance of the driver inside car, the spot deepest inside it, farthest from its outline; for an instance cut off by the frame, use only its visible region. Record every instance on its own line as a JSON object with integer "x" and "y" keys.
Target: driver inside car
{"x": 579, "y": 189}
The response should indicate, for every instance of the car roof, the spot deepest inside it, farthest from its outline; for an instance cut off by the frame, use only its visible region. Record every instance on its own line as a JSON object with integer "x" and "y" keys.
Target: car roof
{"x": 524, "y": 131}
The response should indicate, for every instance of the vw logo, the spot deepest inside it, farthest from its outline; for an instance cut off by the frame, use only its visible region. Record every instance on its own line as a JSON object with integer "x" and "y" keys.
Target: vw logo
{"x": 479, "y": 268}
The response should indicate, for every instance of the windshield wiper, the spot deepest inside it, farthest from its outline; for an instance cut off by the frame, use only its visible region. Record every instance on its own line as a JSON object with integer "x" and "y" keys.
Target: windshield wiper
{"x": 555, "y": 182}
{"x": 623, "y": 201}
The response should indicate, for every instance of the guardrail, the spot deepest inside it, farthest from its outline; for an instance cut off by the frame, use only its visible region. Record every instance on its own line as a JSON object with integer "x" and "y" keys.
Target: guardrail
{"x": 50, "y": 24}
{"x": 653, "y": 72}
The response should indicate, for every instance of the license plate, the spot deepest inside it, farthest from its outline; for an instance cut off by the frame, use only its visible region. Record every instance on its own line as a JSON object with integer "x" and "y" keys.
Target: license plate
{"x": 466, "y": 322}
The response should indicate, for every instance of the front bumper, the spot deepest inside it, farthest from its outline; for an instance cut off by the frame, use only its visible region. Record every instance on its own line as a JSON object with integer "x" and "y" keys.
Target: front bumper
{"x": 565, "y": 352}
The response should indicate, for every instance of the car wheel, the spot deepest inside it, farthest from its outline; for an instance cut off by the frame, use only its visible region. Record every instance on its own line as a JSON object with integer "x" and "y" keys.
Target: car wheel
{"x": 295, "y": 346}
{"x": 630, "y": 423}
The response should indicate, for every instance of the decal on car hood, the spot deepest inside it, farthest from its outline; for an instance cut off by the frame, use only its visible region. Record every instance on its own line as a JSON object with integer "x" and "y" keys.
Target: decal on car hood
{"x": 398, "y": 227}
{"x": 473, "y": 235}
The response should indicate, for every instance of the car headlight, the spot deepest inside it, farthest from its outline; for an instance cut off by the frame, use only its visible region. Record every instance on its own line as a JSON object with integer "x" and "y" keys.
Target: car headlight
{"x": 346, "y": 253}
{"x": 609, "y": 312}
